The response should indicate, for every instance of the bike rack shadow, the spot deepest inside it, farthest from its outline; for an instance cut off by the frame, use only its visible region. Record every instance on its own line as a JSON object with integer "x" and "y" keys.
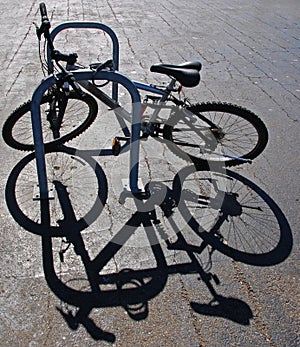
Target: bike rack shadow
{"x": 133, "y": 289}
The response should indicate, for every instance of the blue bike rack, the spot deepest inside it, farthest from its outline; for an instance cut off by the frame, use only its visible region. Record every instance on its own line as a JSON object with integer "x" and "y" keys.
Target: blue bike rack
{"x": 88, "y": 25}
{"x": 113, "y": 76}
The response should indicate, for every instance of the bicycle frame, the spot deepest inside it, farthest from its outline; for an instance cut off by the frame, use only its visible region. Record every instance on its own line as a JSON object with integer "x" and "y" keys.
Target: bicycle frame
{"x": 112, "y": 102}
{"x": 114, "y": 105}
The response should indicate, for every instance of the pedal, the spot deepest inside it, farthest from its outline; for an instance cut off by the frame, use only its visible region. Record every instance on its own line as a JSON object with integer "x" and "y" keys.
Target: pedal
{"x": 116, "y": 146}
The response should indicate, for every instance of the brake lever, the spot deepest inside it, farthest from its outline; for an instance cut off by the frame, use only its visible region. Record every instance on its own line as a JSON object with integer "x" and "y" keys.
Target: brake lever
{"x": 108, "y": 64}
{"x": 39, "y": 31}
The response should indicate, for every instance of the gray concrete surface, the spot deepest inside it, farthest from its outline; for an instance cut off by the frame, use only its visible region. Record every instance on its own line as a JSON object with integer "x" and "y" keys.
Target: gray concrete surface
{"x": 157, "y": 296}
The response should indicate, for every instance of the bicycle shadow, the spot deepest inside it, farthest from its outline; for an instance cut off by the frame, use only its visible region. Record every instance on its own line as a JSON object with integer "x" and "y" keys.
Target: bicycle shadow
{"x": 133, "y": 289}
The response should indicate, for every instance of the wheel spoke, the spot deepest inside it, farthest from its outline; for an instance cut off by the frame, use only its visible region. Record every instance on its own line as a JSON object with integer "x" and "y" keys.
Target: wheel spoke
{"x": 242, "y": 134}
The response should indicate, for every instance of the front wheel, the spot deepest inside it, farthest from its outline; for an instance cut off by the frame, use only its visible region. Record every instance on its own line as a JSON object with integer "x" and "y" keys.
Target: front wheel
{"x": 79, "y": 114}
{"x": 216, "y": 132}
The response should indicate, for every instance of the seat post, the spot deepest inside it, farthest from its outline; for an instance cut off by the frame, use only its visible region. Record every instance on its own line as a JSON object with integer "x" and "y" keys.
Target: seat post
{"x": 169, "y": 88}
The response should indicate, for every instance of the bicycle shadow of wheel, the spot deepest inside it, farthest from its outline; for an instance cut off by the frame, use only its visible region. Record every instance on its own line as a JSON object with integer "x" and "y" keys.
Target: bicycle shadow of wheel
{"x": 239, "y": 219}
{"x": 243, "y": 207}
{"x": 85, "y": 183}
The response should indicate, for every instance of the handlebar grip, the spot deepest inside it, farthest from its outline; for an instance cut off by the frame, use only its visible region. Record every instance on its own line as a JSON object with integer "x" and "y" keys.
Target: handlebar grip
{"x": 45, "y": 26}
{"x": 43, "y": 11}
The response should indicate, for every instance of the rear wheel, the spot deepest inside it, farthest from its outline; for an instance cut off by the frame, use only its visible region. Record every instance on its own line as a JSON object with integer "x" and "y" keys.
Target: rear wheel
{"x": 79, "y": 114}
{"x": 216, "y": 132}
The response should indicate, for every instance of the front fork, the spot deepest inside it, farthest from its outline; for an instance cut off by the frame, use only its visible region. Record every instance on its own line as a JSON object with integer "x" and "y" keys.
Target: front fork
{"x": 56, "y": 111}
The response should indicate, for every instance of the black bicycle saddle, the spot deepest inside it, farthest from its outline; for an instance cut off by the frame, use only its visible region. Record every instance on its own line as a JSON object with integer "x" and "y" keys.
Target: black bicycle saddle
{"x": 188, "y": 74}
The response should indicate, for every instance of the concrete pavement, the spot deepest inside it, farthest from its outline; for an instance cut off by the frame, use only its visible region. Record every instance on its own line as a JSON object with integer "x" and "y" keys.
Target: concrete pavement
{"x": 143, "y": 292}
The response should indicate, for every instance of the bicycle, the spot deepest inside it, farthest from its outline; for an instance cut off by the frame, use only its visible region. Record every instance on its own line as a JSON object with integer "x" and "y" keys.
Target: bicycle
{"x": 231, "y": 195}
{"x": 200, "y": 132}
